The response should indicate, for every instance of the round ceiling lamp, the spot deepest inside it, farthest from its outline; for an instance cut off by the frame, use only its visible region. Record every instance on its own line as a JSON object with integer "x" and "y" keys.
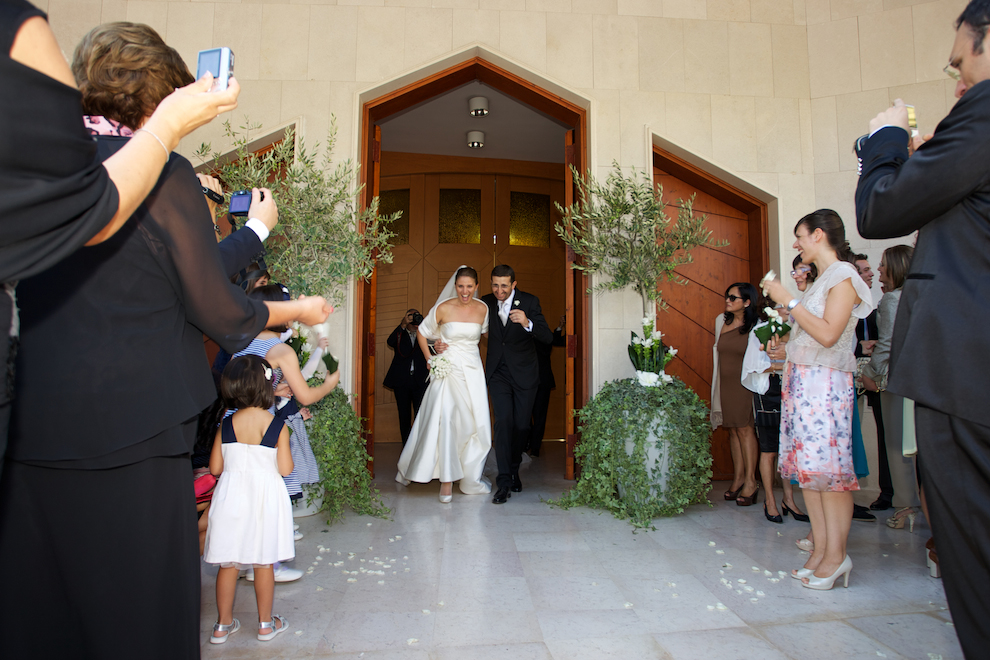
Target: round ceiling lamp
{"x": 478, "y": 106}
{"x": 475, "y": 139}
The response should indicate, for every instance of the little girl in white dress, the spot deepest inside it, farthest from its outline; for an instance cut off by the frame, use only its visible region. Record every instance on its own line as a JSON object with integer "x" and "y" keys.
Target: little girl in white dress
{"x": 250, "y": 523}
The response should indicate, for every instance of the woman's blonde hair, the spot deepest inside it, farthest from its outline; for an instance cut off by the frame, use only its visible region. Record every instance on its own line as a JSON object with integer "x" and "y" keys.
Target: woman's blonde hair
{"x": 124, "y": 70}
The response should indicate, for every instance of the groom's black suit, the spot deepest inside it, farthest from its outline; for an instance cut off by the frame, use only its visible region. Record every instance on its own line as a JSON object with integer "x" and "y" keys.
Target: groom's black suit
{"x": 512, "y": 370}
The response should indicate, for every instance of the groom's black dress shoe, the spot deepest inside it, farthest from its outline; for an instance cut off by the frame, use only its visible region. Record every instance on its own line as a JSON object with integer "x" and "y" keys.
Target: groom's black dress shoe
{"x": 501, "y": 495}
{"x": 516, "y": 486}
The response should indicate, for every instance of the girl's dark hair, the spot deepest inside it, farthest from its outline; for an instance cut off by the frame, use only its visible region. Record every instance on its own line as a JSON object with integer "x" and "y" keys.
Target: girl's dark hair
{"x": 271, "y": 293}
{"x": 243, "y": 384}
{"x": 811, "y": 276}
{"x": 206, "y": 432}
{"x": 466, "y": 271}
{"x": 897, "y": 263}
{"x": 751, "y": 313}
{"x": 835, "y": 232}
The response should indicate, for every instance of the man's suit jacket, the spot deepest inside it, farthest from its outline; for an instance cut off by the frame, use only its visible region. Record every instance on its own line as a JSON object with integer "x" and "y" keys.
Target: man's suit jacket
{"x": 406, "y": 352}
{"x": 943, "y": 192}
{"x": 512, "y": 344}
{"x": 870, "y": 325}
{"x": 239, "y": 250}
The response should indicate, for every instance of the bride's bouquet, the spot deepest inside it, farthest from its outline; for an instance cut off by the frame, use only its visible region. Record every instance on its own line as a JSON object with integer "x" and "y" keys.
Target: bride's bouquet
{"x": 440, "y": 367}
{"x": 776, "y": 326}
{"x": 304, "y": 341}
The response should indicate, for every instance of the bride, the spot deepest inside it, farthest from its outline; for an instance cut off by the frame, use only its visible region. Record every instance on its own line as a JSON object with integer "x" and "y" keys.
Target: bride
{"x": 451, "y": 436}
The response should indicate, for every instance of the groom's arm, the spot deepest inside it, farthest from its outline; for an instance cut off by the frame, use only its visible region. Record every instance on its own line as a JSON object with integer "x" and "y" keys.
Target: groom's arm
{"x": 541, "y": 331}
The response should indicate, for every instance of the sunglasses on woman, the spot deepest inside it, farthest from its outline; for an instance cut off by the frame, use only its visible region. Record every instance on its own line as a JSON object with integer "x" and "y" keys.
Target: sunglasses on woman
{"x": 732, "y": 298}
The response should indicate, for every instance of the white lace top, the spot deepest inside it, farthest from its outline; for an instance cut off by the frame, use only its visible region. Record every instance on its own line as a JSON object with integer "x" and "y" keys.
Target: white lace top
{"x": 803, "y": 348}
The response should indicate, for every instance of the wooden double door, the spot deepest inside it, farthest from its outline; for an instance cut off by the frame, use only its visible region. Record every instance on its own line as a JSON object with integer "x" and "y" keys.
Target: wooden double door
{"x": 474, "y": 219}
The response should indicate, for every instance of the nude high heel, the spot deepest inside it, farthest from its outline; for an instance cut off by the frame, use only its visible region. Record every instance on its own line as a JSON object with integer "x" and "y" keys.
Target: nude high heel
{"x": 826, "y": 583}
{"x": 896, "y": 521}
{"x": 447, "y": 499}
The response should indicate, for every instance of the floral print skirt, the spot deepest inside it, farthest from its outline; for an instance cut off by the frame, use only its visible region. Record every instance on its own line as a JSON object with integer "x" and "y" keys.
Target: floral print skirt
{"x": 816, "y": 428}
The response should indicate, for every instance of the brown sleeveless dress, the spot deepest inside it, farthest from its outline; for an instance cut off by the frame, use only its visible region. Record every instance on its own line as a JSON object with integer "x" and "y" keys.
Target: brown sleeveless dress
{"x": 737, "y": 401}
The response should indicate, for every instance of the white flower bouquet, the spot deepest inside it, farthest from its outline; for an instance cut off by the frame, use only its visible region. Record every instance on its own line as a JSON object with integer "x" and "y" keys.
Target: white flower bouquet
{"x": 648, "y": 353}
{"x": 776, "y": 326}
{"x": 440, "y": 367}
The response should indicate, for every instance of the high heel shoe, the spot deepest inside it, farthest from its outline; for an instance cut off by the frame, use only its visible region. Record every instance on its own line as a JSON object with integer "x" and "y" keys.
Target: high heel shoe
{"x": 896, "y": 521}
{"x": 802, "y": 572}
{"x": 800, "y": 517}
{"x": 826, "y": 583}
{"x": 774, "y": 519}
{"x": 749, "y": 500}
{"x": 933, "y": 568}
{"x": 805, "y": 544}
{"x": 446, "y": 499}
{"x": 730, "y": 495}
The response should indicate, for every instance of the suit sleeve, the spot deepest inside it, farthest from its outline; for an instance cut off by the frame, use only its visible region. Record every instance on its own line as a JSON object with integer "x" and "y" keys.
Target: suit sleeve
{"x": 541, "y": 331}
{"x": 393, "y": 339}
{"x": 897, "y": 196}
{"x": 240, "y": 250}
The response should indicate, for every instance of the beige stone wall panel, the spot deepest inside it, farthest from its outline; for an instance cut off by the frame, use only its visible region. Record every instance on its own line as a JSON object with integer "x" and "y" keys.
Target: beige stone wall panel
{"x": 833, "y": 58}
{"x": 773, "y": 11}
{"x": 934, "y": 34}
{"x": 359, "y": 3}
{"x": 853, "y": 113}
{"x": 428, "y": 34}
{"x": 639, "y": 109}
{"x": 661, "y": 54}
{"x": 689, "y": 122}
{"x": 154, "y": 14}
{"x": 284, "y": 42}
{"x": 190, "y": 30}
{"x": 750, "y": 60}
{"x": 836, "y": 191}
{"x": 616, "y": 52}
{"x": 608, "y": 126}
{"x": 734, "y": 132}
{"x": 70, "y": 20}
{"x": 706, "y": 57}
{"x": 570, "y": 56}
{"x": 475, "y": 26}
{"x": 928, "y": 99}
{"x": 380, "y": 42}
{"x": 825, "y": 134}
{"x": 513, "y": 5}
{"x": 790, "y": 61}
{"x": 685, "y": 9}
{"x": 641, "y": 8}
{"x": 807, "y": 136}
{"x": 523, "y": 36}
{"x": 238, "y": 27}
{"x": 841, "y": 9}
{"x": 886, "y": 49}
{"x": 729, "y": 10}
{"x": 817, "y": 11}
{"x": 333, "y": 43}
{"x": 778, "y": 136}
{"x": 112, "y": 10}
{"x": 595, "y": 6}
{"x": 310, "y": 100}
{"x": 560, "y": 6}
{"x": 455, "y": 4}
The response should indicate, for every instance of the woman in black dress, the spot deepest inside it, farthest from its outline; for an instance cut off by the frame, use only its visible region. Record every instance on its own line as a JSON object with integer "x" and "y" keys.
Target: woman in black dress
{"x": 96, "y": 500}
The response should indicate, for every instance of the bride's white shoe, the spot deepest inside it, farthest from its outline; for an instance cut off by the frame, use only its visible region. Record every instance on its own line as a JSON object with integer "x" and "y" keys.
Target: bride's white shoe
{"x": 446, "y": 499}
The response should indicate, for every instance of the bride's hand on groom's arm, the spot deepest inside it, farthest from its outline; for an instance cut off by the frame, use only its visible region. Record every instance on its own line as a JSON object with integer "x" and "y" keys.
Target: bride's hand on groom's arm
{"x": 439, "y": 346}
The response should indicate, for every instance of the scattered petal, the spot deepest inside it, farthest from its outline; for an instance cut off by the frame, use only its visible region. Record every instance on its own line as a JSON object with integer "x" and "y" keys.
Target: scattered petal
{"x": 949, "y": 623}
{"x": 741, "y": 581}
{"x": 319, "y": 558}
{"x": 386, "y": 565}
{"x": 673, "y": 595}
{"x": 720, "y": 552}
{"x": 720, "y": 607}
{"x": 440, "y": 603}
{"x": 711, "y": 608}
{"x": 397, "y": 536}
{"x": 352, "y": 579}
{"x": 760, "y": 593}
{"x": 426, "y": 611}
{"x": 627, "y": 605}
{"x": 391, "y": 540}
{"x": 775, "y": 580}
{"x": 369, "y": 524}
{"x": 711, "y": 544}
{"x": 884, "y": 655}
{"x": 594, "y": 584}
{"x": 739, "y": 592}
{"x": 768, "y": 573}
{"x": 781, "y": 573}
{"x": 405, "y": 570}
{"x": 319, "y": 588}
{"x": 316, "y": 563}
{"x": 381, "y": 582}
{"x": 726, "y": 565}
{"x": 779, "y": 534}
{"x": 748, "y": 589}
{"x": 754, "y": 600}
{"x": 370, "y": 548}
{"x": 755, "y": 569}
{"x": 671, "y": 584}
{"x": 721, "y": 572}
{"x": 411, "y": 641}
{"x": 298, "y": 632}
{"x": 405, "y": 556}
{"x": 886, "y": 555}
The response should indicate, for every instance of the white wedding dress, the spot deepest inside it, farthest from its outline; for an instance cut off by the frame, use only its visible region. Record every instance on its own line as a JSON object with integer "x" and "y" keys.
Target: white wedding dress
{"x": 452, "y": 434}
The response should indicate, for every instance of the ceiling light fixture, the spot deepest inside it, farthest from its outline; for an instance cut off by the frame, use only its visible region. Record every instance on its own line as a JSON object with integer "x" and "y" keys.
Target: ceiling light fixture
{"x": 476, "y": 139}
{"x": 478, "y": 106}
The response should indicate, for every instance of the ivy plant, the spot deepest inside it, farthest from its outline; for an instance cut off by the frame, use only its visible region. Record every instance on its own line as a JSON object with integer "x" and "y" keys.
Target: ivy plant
{"x": 335, "y": 434}
{"x": 625, "y": 410}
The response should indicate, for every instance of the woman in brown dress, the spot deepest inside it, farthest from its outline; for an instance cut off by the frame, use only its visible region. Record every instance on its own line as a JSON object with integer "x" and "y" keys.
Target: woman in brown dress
{"x": 732, "y": 404}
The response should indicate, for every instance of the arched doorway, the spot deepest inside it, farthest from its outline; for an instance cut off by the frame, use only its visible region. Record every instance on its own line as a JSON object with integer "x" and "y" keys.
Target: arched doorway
{"x": 734, "y": 216}
{"x": 498, "y": 186}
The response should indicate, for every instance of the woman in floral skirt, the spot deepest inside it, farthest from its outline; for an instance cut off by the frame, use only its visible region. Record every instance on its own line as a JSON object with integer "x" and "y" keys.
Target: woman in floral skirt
{"x": 816, "y": 423}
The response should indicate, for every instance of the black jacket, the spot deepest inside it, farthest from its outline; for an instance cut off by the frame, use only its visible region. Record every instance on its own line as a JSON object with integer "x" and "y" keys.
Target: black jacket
{"x": 512, "y": 344}
{"x": 406, "y": 353}
{"x": 943, "y": 192}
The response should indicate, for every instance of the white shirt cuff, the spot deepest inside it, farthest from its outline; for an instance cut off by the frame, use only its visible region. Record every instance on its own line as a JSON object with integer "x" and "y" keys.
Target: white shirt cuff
{"x": 872, "y": 133}
{"x": 258, "y": 227}
{"x": 529, "y": 328}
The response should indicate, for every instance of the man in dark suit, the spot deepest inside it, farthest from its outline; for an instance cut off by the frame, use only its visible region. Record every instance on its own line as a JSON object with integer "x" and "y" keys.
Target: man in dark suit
{"x": 407, "y": 374}
{"x": 866, "y": 338}
{"x": 515, "y": 324}
{"x": 939, "y": 361}
{"x": 547, "y": 384}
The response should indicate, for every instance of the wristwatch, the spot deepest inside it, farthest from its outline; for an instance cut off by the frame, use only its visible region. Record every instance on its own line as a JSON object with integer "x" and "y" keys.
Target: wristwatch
{"x": 794, "y": 303}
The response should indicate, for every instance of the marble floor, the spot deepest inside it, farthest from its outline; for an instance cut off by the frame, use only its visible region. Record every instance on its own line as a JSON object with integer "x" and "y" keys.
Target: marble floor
{"x": 472, "y": 580}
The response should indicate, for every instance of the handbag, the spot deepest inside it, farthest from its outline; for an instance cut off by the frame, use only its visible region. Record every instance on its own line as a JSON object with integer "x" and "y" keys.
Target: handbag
{"x": 203, "y": 484}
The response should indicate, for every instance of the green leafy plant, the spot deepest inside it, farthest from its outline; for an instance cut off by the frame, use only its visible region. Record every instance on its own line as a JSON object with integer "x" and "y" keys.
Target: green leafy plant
{"x": 625, "y": 410}
{"x": 335, "y": 434}
{"x": 323, "y": 237}
{"x": 620, "y": 229}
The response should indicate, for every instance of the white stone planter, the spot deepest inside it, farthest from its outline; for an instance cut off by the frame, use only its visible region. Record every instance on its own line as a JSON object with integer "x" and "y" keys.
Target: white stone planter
{"x": 655, "y": 458}
{"x": 299, "y": 507}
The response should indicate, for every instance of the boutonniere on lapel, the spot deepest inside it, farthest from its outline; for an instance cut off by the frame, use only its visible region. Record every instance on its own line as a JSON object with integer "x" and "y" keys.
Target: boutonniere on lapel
{"x": 515, "y": 303}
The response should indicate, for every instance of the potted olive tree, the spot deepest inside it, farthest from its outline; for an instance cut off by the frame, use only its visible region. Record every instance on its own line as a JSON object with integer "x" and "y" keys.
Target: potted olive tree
{"x": 644, "y": 448}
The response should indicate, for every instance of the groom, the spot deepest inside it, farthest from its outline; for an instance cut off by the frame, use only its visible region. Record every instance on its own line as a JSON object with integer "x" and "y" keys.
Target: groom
{"x": 515, "y": 324}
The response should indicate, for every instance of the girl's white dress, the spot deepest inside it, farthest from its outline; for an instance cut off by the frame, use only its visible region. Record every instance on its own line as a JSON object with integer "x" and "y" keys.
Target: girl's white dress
{"x": 250, "y": 515}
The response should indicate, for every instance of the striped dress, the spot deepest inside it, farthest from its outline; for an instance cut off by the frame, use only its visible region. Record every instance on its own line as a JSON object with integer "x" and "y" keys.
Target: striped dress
{"x": 305, "y": 470}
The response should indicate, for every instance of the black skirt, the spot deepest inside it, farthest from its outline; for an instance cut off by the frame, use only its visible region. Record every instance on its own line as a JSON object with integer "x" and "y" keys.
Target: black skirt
{"x": 100, "y": 563}
{"x": 767, "y": 407}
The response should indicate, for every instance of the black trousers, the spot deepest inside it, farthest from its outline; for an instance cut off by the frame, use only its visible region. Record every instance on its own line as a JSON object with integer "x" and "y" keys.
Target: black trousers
{"x": 513, "y": 410}
{"x": 954, "y": 455}
{"x": 100, "y": 563}
{"x": 404, "y": 398}
{"x": 886, "y": 485}
{"x": 540, "y": 405}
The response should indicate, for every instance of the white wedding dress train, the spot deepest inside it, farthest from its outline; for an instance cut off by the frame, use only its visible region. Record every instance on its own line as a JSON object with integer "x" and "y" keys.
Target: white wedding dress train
{"x": 452, "y": 436}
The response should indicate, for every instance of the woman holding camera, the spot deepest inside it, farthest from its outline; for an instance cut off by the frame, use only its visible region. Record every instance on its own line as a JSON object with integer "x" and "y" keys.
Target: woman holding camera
{"x": 112, "y": 377}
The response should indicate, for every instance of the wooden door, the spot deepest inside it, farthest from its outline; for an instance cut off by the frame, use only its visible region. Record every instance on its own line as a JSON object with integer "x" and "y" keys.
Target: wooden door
{"x": 689, "y": 322}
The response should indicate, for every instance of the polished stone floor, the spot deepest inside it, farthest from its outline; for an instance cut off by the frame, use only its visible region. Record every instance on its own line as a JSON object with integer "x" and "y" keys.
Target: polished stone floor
{"x": 472, "y": 580}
